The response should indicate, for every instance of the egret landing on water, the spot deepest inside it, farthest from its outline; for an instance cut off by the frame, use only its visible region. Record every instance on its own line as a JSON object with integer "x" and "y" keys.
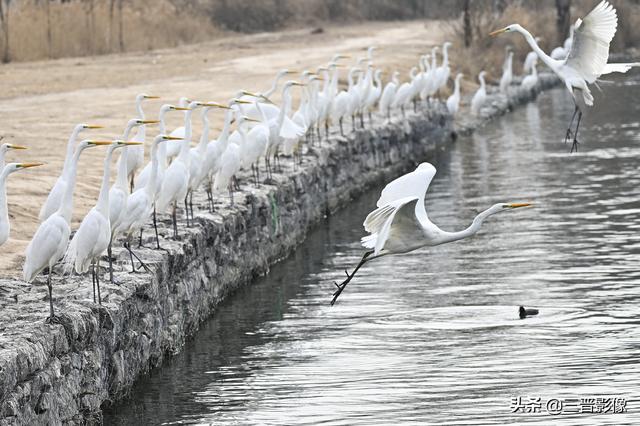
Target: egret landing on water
{"x": 587, "y": 59}
{"x": 400, "y": 223}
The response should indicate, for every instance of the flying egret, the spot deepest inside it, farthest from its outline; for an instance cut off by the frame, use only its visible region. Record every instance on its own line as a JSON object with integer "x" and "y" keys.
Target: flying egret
{"x": 5, "y": 225}
{"x": 135, "y": 155}
{"x": 400, "y": 223}
{"x": 587, "y": 59}
{"x": 50, "y": 241}
{"x": 56, "y": 195}
{"x": 480, "y": 97}
{"x": 507, "y": 72}
{"x": 453, "y": 102}
{"x": 140, "y": 204}
{"x": 388, "y": 95}
{"x": 3, "y": 151}
{"x": 94, "y": 234}
{"x": 530, "y": 81}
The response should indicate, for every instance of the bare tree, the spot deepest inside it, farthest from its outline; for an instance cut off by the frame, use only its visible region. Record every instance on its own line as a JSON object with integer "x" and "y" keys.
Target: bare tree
{"x": 468, "y": 33}
{"x": 563, "y": 19}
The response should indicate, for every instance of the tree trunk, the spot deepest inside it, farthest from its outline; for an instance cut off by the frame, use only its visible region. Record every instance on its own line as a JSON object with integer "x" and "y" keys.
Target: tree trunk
{"x": 4, "y": 22}
{"x": 563, "y": 20}
{"x": 120, "y": 27}
{"x": 468, "y": 33}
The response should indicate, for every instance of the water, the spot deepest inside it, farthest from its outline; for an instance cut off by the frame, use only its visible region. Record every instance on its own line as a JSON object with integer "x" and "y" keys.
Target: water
{"x": 434, "y": 336}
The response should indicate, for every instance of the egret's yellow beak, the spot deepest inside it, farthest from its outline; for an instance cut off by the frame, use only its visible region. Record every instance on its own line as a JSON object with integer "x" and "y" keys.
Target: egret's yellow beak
{"x": 180, "y": 109}
{"x": 246, "y": 92}
{"x": 517, "y": 205}
{"x": 100, "y": 143}
{"x": 12, "y": 146}
{"x": 497, "y": 32}
{"x": 93, "y": 126}
{"x": 149, "y": 121}
{"x": 343, "y": 57}
{"x": 242, "y": 101}
{"x": 27, "y": 165}
{"x": 151, "y": 97}
{"x": 132, "y": 143}
{"x": 215, "y": 105}
{"x": 253, "y": 120}
{"x": 297, "y": 83}
{"x": 292, "y": 72}
{"x": 171, "y": 138}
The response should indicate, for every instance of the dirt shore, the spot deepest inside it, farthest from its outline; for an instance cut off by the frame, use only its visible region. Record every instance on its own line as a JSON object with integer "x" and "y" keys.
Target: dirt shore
{"x": 40, "y": 102}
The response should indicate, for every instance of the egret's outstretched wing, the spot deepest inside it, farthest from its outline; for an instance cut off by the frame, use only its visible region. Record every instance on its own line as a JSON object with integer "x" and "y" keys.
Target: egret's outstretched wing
{"x": 397, "y": 219}
{"x": 623, "y": 68}
{"x": 590, "y": 47}
{"x": 414, "y": 184}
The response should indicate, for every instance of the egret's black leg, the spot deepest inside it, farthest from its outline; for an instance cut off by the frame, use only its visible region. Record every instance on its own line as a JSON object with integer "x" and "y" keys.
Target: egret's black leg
{"x": 231, "y": 192}
{"x": 155, "y": 227}
{"x": 362, "y": 120}
{"x": 93, "y": 280}
{"x": 96, "y": 268}
{"x": 126, "y": 245}
{"x": 575, "y": 135}
{"x": 342, "y": 286}
{"x": 175, "y": 220}
{"x": 569, "y": 132}
{"x": 186, "y": 210}
{"x": 52, "y": 318}
{"x": 140, "y": 239}
{"x": 132, "y": 255}
{"x": 109, "y": 253}
{"x": 341, "y": 128}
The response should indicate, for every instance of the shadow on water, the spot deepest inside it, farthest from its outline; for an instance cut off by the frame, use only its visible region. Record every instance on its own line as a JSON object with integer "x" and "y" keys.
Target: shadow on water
{"x": 434, "y": 336}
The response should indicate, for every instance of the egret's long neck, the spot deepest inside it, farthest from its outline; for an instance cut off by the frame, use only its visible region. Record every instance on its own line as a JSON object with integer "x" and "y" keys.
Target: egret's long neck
{"x": 471, "y": 230}
{"x": 162, "y": 150}
{"x": 3, "y": 151}
{"x": 4, "y": 211}
{"x": 534, "y": 70}
{"x": 334, "y": 82}
{"x": 141, "y": 133}
{"x": 151, "y": 183}
{"x": 204, "y": 138}
{"x": 286, "y": 97}
{"x": 66, "y": 207}
{"x": 123, "y": 167}
{"x": 274, "y": 86}
{"x": 434, "y": 62}
{"x": 350, "y": 80}
{"x": 71, "y": 146}
{"x": 223, "y": 139}
{"x": 551, "y": 63}
{"x": 482, "y": 82}
{"x": 184, "y": 148}
{"x": 445, "y": 56}
{"x": 456, "y": 88}
{"x": 103, "y": 198}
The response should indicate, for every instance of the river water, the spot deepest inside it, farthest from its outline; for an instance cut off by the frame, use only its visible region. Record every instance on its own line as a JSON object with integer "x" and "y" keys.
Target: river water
{"x": 434, "y": 336}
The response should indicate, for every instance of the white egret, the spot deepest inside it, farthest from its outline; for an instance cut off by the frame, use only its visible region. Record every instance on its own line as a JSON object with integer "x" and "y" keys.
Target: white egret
{"x": 343, "y": 104}
{"x": 56, "y": 195}
{"x": 93, "y": 236}
{"x": 50, "y": 241}
{"x": 507, "y": 72}
{"x": 530, "y": 59}
{"x": 374, "y": 93}
{"x": 586, "y": 61}
{"x": 400, "y": 223}
{"x": 135, "y": 155}
{"x": 388, "y": 95}
{"x": 256, "y": 146}
{"x": 453, "y": 102}
{"x": 561, "y": 52}
{"x": 5, "y": 225}
{"x": 176, "y": 178}
{"x": 230, "y": 161}
{"x": 3, "y": 151}
{"x": 172, "y": 147}
{"x": 480, "y": 97}
{"x": 140, "y": 204}
{"x": 530, "y": 81}
{"x": 405, "y": 93}
{"x": 443, "y": 71}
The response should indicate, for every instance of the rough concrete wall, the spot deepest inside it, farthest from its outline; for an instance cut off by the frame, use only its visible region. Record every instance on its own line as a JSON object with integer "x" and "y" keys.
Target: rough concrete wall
{"x": 64, "y": 373}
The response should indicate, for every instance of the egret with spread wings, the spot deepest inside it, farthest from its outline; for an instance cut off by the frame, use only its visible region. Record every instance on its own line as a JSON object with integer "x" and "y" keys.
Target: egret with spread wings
{"x": 587, "y": 59}
{"x": 400, "y": 224}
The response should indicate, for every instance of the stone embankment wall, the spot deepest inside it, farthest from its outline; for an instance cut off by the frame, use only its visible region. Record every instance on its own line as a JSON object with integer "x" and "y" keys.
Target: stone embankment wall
{"x": 65, "y": 373}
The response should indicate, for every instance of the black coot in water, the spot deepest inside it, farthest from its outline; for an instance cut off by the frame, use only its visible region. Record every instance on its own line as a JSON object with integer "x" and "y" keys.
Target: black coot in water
{"x": 527, "y": 312}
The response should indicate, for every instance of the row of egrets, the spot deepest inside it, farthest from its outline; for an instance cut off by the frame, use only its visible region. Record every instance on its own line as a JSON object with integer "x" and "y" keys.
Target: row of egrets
{"x": 176, "y": 170}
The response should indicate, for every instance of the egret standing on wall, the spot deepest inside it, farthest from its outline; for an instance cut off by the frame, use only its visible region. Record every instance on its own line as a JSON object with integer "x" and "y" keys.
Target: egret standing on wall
{"x": 400, "y": 223}
{"x": 5, "y": 225}
{"x": 587, "y": 59}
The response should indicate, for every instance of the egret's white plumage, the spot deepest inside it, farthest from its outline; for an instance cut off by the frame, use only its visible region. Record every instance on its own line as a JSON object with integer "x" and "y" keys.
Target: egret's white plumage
{"x": 388, "y": 95}
{"x": 507, "y": 73}
{"x": 480, "y": 97}
{"x": 5, "y": 224}
{"x": 453, "y": 102}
